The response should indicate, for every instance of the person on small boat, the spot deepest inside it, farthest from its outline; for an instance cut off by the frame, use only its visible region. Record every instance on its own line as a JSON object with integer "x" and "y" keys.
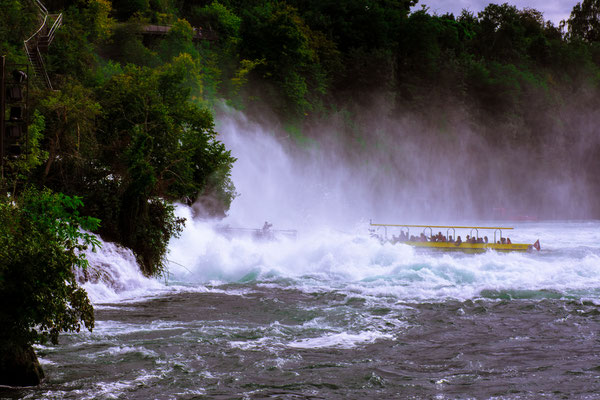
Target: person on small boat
{"x": 503, "y": 240}
{"x": 266, "y": 227}
{"x": 508, "y": 241}
{"x": 485, "y": 239}
{"x": 458, "y": 241}
{"x": 450, "y": 239}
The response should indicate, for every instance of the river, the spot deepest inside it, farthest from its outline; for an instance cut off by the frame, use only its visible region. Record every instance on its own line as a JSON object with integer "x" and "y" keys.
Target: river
{"x": 339, "y": 315}
{"x": 334, "y": 313}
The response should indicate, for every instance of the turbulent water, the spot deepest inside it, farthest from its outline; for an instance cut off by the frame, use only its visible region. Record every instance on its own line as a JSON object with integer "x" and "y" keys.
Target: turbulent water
{"x": 334, "y": 314}
{"x": 339, "y": 315}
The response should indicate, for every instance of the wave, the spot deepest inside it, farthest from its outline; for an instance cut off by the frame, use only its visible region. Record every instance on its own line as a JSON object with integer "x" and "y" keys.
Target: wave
{"x": 327, "y": 259}
{"x": 113, "y": 275}
{"x": 332, "y": 251}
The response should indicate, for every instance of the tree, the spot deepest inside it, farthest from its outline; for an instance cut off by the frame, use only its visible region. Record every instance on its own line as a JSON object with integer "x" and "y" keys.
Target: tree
{"x": 18, "y": 21}
{"x": 41, "y": 244}
{"x": 584, "y": 22}
{"x": 276, "y": 34}
{"x": 156, "y": 147}
{"x": 70, "y": 124}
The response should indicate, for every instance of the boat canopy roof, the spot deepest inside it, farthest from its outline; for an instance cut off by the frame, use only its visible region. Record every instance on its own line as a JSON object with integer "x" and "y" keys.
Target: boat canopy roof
{"x": 443, "y": 226}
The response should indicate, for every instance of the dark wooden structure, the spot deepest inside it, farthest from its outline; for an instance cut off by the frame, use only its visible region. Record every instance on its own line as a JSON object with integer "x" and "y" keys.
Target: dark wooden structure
{"x": 161, "y": 30}
{"x": 14, "y": 98}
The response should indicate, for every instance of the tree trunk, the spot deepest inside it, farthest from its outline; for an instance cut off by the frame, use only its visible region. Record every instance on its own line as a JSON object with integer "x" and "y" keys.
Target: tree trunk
{"x": 19, "y": 366}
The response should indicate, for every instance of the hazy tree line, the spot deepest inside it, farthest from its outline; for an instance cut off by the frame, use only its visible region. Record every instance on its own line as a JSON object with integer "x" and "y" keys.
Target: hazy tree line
{"x": 130, "y": 128}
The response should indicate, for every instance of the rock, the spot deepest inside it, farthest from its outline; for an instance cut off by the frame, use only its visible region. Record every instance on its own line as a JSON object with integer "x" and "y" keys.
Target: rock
{"x": 19, "y": 366}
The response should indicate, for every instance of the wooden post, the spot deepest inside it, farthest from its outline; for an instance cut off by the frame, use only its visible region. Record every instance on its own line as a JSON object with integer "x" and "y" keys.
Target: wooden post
{"x": 2, "y": 112}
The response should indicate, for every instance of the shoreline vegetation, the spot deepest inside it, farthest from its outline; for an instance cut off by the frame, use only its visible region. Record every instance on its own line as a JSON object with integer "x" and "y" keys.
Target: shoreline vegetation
{"x": 129, "y": 127}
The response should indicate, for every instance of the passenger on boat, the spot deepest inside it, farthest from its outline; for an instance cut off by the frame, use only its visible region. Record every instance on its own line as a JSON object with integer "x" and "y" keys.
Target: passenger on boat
{"x": 458, "y": 240}
{"x": 266, "y": 227}
{"x": 422, "y": 238}
{"x": 508, "y": 241}
{"x": 450, "y": 239}
{"x": 485, "y": 239}
{"x": 503, "y": 240}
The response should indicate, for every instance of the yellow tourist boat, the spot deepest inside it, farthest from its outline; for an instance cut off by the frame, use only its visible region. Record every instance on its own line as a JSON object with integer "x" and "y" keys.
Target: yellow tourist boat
{"x": 470, "y": 243}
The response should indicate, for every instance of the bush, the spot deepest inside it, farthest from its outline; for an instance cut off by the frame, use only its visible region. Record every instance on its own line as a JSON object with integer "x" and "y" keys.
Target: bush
{"x": 41, "y": 242}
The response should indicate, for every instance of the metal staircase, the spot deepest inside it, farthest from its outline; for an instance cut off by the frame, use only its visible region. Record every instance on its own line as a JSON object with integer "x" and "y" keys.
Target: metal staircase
{"x": 40, "y": 41}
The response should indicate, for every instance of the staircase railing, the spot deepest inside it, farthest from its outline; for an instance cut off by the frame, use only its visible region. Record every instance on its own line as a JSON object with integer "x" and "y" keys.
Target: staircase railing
{"x": 41, "y": 39}
{"x": 41, "y": 7}
{"x": 57, "y": 24}
{"x": 39, "y": 68}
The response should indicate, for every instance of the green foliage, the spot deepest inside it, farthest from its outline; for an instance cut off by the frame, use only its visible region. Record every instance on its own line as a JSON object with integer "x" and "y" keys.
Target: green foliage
{"x": 276, "y": 34}
{"x": 17, "y": 22}
{"x": 127, "y": 45}
{"x": 217, "y": 17}
{"x": 157, "y": 146}
{"x": 21, "y": 169}
{"x": 70, "y": 123}
{"x": 356, "y": 23}
{"x": 41, "y": 242}
{"x": 178, "y": 41}
{"x": 127, "y": 8}
{"x": 584, "y": 22}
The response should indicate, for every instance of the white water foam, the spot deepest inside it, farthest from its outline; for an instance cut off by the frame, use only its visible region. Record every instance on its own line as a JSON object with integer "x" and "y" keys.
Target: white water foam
{"x": 330, "y": 208}
{"x": 114, "y": 275}
{"x": 342, "y": 340}
{"x": 356, "y": 263}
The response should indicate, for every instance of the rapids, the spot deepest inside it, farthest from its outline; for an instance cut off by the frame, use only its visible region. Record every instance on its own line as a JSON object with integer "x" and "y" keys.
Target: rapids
{"x": 333, "y": 313}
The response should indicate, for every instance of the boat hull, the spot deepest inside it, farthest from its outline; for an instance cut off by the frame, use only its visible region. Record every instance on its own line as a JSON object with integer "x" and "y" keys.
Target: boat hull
{"x": 470, "y": 247}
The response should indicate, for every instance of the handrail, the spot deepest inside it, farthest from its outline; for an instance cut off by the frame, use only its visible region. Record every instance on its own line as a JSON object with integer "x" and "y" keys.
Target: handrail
{"x": 440, "y": 226}
{"x": 38, "y": 31}
{"x": 42, "y": 37}
{"x": 36, "y": 59}
{"x": 46, "y": 77}
{"x": 57, "y": 24}
{"x": 41, "y": 7}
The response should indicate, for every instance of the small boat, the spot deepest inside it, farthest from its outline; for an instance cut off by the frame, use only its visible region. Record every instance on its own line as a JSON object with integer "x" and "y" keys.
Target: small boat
{"x": 265, "y": 233}
{"x": 472, "y": 242}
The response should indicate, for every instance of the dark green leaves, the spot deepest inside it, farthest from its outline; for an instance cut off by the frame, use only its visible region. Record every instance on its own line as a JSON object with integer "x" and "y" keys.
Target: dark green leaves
{"x": 42, "y": 237}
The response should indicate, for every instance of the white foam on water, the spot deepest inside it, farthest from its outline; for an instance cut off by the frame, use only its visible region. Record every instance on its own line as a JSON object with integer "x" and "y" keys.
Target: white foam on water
{"x": 114, "y": 276}
{"x": 327, "y": 259}
{"x": 113, "y": 351}
{"x": 343, "y": 340}
{"x": 333, "y": 251}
